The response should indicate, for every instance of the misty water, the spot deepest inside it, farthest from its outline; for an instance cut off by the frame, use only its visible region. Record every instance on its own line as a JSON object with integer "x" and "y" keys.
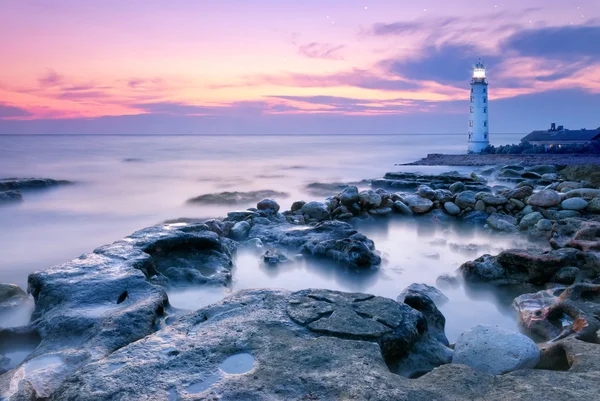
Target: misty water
{"x": 125, "y": 183}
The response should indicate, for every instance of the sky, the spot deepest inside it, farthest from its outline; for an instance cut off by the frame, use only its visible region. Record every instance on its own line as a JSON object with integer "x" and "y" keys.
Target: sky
{"x": 294, "y": 67}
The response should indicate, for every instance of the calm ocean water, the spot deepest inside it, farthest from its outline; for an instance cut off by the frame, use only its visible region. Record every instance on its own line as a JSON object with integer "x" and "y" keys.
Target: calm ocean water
{"x": 124, "y": 183}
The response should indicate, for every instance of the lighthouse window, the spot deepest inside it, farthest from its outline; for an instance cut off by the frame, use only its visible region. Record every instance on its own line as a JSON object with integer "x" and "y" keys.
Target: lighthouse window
{"x": 484, "y": 90}
{"x": 485, "y": 100}
{"x": 485, "y": 123}
{"x": 471, "y": 109}
{"x": 471, "y": 90}
{"x": 470, "y": 123}
{"x": 485, "y": 109}
{"x": 471, "y": 99}
{"x": 484, "y": 136}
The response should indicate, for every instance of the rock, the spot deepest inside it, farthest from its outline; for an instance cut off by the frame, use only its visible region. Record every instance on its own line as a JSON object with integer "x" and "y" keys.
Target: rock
{"x": 517, "y": 266}
{"x": 493, "y": 200}
{"x": 531, "y": 175}
{"x": 457, "y": 187}
{"x": 495, "y": 351}
{"x": 451, "y": 208}
{"x": 349, "y": 195}
{"x": 588, "y": 172}
{"x": 587, "y": 237}
{"x": 480, "y": 205}
{"x": 530, "y": 220}
{"x": 327, "y": 188}
{"x": 418, "y": 204}
{"x": 8, "y": 291}
{"x": 382, "y": 211}
{"x": 507, "y": 173}
{"x": 274, "y": 257}
{"x": 426, "y": 192}
{"x": 465, "y": 199}
{"x": 7, "y": 184}
{"x": 552, "y": 315}
{"x": 268, "y": 206}
{"x": 241, "y": 215}
{"x": 240, "y": 230}
{"x": 544, "y": 198}
{"x": 566, "y": 275}
{"x": 544, "y": 225}
{"x": 502, "y": 222}
{"x": 296, "y": 206}
{"x": 543, "y": 169}
{"x": 288, "y": 342}
{"x": 475, "y": 217}
{"x": 315, "y": 210}
{"x": 443, "y": 196}
{"x": 401, "y": 208}
{"x": 10, "y": 196}
{"x": 566, "y": 186}
{"x": 519, "y": 193}
{"x": 233, "y": 198}
{"x": 517, "y": 204}
{"x": 477, "y": 178}
{"x": 585, "y": 193}
{"x": 369, "y": 199}
{"x": 332, "y": 239}
{"x": 594, "y": 205}
{"x": 433, "y": 293}
{"x": 574, "y": 204}
{"x": 550, "y": 177}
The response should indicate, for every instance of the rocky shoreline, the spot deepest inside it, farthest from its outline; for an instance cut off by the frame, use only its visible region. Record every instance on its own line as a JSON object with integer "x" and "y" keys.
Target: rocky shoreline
{"x": 103, "y": 327}
{"x": 437, "y": 159}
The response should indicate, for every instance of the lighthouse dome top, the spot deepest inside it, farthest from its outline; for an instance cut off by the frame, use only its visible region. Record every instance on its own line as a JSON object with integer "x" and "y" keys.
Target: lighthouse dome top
{"x": 479, "y": 70}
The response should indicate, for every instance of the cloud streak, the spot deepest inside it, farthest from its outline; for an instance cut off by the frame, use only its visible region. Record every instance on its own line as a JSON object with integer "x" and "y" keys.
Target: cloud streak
{"x": 325, "y": 51}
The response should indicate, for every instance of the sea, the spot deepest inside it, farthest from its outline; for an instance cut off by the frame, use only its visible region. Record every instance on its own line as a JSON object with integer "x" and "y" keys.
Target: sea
{"x": 125, "y": 183}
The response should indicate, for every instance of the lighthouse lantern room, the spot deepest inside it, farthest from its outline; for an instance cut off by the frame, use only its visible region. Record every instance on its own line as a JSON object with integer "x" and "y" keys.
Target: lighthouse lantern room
{"x": 479, "y": 137}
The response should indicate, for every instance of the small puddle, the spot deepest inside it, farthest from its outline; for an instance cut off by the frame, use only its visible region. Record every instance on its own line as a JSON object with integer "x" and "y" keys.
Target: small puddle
{"x": 237, "y": 364}
{"x": 204, "y": 384}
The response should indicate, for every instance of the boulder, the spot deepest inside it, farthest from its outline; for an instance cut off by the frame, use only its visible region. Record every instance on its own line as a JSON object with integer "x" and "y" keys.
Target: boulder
{"x": 544, "y": 198}
{"x": 530, "y": 220}
{"x": 574, "y": 204}
{"x": 519, "y": 193}
{"x": 465, "y": 199}
{"x": 13, "y": 195}
{"x": 480, "y": 205}
{"x": 418, "y": 204}
{"x": 297, "y": 205}
{"x": 269, "y": 206}
{"x": 433, "y": 293}
{"x": 451, "y": 208}
{"x": 502, "y": 222}
{"x": 544, "y": 225}
{"x": 7, "y": 184}
{"x": 457, "y": 187}
{"x": 426, "y": 192}
{"x": 315, "y": 210}
{"x": 9, "y": 291}
{"x": 494, "y": 200}
{"x": 233, "y": 198}
{"x": 550, "y": 177}
{"x": 594, "y": 205}
{"x": 369, "y": 199}
{"x": 543, "y": 169}
{"x": 401, "y": 208}
{"x": 494, "y": 350}
{"x": 585, "y": 193}
{"x": 349, "y": 195}
{"x": 475, "y": 217}
{"x": 240, "y": 230}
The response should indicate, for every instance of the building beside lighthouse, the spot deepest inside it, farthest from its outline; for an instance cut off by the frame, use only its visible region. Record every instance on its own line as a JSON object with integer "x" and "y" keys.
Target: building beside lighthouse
{"x": 479, "y": 137}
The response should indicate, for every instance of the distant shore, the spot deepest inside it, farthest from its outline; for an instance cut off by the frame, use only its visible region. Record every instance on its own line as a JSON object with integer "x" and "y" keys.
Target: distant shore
{"x": 436, "y": 159}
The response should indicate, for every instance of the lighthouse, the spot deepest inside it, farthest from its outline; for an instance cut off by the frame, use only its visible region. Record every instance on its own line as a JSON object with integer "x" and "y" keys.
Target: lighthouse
{"x": 479, "y": 137}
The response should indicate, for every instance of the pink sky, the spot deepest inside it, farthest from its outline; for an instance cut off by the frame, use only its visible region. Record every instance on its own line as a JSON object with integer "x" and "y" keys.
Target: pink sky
{"x": 86, "y": 59}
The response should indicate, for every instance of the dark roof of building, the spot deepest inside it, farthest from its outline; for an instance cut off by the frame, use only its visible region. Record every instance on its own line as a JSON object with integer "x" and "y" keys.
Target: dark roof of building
{"x": 562, "y": 135}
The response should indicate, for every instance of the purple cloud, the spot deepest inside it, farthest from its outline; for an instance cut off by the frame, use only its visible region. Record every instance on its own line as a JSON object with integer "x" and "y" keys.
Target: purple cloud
{"x": 12, "y": 112}
{"x": 325, "y": 51}
{"x": 50, "y": 79}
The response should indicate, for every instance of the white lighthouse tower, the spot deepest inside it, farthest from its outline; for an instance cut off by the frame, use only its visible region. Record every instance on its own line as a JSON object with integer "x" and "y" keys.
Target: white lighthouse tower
{"x": 479, "y": 137}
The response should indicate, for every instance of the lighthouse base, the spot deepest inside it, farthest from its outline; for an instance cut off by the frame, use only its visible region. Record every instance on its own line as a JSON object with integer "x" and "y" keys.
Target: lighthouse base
{"x": 477, "y": 146}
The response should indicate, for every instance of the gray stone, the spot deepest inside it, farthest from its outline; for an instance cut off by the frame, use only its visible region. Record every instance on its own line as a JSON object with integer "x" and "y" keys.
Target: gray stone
{"x": 531, "y": 175}
{"x": 297, "y": 205}
{"x": 544, "y": 225}
{"x": 585, "y": 193}
{"x": 401, "y": 208}
{"x": 369, "y": 199}
{"x": 566, "y": 186}
{"x": 269, "y": 206}
{"x": 451, "y": 208}
{"x": 495, "y": 351}
{"x": 543, "y": 169}
{"x": 315, "y": 210}
{"x": 465, "y": 199}
{"x": 240, "y": 230}
{"x": 566, "y": 275}
{"x": 426, "y": 192}
{"x": 530, "y": 220}
{"x": 519, "y": 192}
{"x": 550, "y": 177}
{"x": 517, "y": 204}
{"x": 418, "y": 204}
{"x": 10, "y": 196}
{"x": 544, "y": 198}
{"x": 233, "y": 198}
{"x": 574, "y": 204}
{"x": 433, "y": 293}
{"x": 8, "y": 291}
{"x": 349, "y": 195}
{"x": 480, "y": 205}
{"x": 457, "y": 187}
{"x": 493, "y": 200}
{"x": 594, "y": 205}
{"x": 502, "y": 222}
